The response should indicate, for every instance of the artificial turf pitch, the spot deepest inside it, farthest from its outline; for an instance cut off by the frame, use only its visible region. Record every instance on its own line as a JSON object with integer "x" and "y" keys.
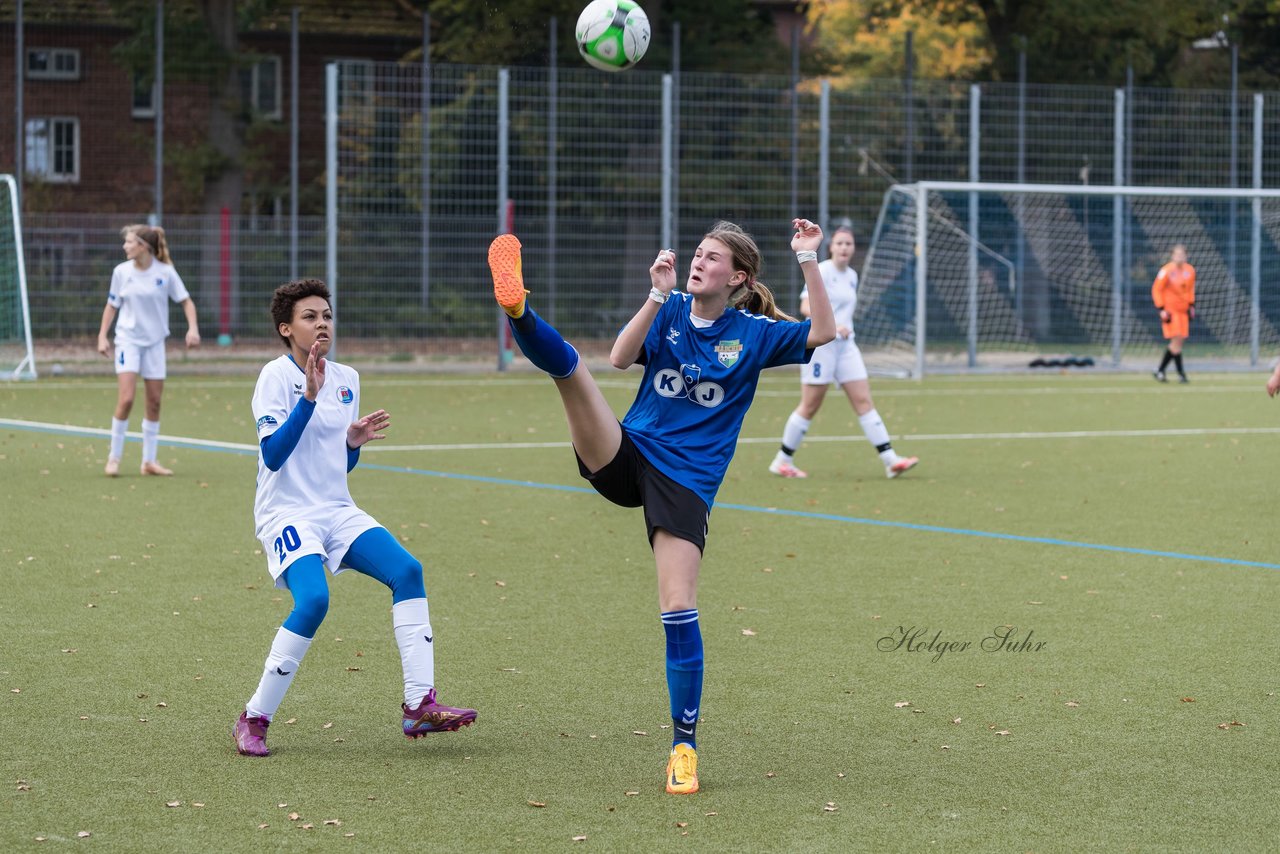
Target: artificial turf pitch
{"x": 1122, "y": 529}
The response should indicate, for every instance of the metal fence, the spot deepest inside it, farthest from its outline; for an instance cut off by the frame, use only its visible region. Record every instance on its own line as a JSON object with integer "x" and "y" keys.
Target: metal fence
{"x": 601, "y": 170}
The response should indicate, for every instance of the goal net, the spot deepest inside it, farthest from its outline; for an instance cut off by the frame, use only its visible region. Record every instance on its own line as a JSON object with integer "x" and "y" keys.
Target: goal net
{"x": 17, "y": 357}
{"x": 996, "y": 276}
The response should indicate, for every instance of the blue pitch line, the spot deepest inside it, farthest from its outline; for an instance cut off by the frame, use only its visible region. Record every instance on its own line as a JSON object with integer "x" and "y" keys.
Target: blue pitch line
{"x": 746, "y": 508}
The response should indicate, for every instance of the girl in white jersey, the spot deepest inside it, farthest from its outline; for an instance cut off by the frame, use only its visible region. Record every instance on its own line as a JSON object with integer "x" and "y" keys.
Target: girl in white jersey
{"x": 703, "y": 350}
{"x": 310, "y": 435}
{"x": 837, "y": 362}
{"x": 141, "y": 289}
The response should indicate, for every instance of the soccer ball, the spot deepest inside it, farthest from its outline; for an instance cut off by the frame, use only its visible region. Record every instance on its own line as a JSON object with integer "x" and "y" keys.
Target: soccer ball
{"x": 612, "y": 35}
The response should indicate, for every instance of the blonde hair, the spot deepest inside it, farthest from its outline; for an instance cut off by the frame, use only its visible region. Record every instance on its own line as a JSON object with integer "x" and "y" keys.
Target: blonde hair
{"x": 153, "y": 236}
{"x": 752, "y": 296}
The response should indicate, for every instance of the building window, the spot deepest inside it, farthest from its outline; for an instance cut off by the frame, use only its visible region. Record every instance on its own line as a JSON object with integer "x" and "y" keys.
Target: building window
{"x": 53, "y": 149}
{"x": 144, "y": 99}
{"x": 260, "y": 87}
{"x": 53, "y": 63}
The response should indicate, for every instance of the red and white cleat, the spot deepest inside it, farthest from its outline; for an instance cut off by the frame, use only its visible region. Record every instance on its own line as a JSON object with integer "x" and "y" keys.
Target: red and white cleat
{"x": 903, "y": 464}
{"x": 785, "y": 469}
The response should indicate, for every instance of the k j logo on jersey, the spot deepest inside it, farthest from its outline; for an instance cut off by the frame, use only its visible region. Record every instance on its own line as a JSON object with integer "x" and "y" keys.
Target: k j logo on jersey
{"x": 685, "y": 384}
{"x": 345, "y": 395}
{"x": 728, "y": 352}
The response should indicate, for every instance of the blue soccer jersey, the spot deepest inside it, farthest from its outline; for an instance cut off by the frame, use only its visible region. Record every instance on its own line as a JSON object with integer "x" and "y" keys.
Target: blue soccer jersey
{"x": 698, "y": 384}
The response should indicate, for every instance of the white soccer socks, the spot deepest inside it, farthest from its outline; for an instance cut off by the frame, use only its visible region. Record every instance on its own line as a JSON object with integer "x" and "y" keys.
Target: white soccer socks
{"x": 286, "y": 654}
{"x": 150, "y": 440}
{"x": 411, "y": 622}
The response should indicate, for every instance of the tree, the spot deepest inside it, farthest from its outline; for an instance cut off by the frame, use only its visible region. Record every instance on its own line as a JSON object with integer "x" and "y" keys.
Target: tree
{"x": 866, "y": 38}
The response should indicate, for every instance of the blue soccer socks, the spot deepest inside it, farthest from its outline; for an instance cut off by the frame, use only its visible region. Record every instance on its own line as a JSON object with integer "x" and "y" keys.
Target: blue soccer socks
{"x": 684, "y": 672}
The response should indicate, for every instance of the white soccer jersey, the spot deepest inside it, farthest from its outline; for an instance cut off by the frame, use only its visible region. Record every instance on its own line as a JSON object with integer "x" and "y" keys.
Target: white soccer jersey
{"x": 142, "y": 298}
{"x": 312, "y": 483}
{"x": 842, "y": 290}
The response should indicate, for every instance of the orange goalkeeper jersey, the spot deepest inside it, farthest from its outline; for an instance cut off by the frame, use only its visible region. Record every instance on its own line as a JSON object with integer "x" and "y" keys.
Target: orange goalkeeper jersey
{"x": 1175, "y": 287}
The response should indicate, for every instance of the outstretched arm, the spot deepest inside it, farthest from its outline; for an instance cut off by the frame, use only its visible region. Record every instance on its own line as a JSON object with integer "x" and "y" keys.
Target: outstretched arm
{"x": 808, "y": 238}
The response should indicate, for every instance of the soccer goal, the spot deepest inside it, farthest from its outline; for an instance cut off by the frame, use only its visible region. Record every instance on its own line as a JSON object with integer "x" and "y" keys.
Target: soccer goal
{"x": 17, "y": 356}
{"x": 995, "y": 276}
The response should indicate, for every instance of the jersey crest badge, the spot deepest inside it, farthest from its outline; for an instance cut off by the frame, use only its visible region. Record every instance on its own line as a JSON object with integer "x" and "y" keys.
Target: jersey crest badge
{"x": 159, "y": 282}
{"x": 345, "y": 395}
{"x": 728, "y": 351}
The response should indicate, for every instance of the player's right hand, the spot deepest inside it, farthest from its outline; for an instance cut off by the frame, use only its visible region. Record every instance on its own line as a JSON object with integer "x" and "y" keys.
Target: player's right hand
{"x": 1165, "y": 317}
{"x": 663, "y": 272}
{"x": 104, "y": 346}
{"x": 315, "y": 371}
{"x": 1273, "y": 384}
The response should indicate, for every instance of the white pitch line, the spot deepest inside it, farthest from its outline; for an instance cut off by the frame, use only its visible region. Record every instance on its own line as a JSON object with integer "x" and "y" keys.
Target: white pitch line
{"x": 41, "y": 426}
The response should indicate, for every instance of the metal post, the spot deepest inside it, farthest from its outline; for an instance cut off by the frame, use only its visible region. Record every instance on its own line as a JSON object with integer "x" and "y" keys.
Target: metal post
{"x": 19, "y": 79}
{"x": 157, "y": 91}
{"x": 504, "y": 174}
{"x": 824, "y": 159}
{"x": 331, "y": 186}
{"x": 1020, "y": 246}
{"x": 293, "y": 143}
{"x": 1117, "y": 231}
{"x": 922, "y": 274}
{"x": 675, "y": 135}
{"x": 553, "y": 107}
{"x": 665, "y": 235}
{"x": 1255, "y": 242}
{"x": 793, "y": 270}
{"x": 1234, "y": 165}
{"x": 424, "y": 168}
{"x": 975, "y": 108}
{"x": 908, "y": 84}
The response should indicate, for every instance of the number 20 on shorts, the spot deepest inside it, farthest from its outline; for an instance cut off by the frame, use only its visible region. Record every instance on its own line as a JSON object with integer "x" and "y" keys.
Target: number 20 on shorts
{"x": 287, "y": 542}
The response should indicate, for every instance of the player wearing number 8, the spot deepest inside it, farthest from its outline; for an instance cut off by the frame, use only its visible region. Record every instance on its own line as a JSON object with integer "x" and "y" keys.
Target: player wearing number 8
{"x": 310, "y": 434}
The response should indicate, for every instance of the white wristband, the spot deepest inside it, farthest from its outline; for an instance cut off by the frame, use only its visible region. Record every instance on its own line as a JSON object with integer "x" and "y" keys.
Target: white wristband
{"x": 658, "y": 296}
{"x": 806, "y": 255}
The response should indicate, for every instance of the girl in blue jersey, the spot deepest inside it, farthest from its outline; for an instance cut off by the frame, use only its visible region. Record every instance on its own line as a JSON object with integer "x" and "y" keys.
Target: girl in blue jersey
{"x": 703, "y": 350}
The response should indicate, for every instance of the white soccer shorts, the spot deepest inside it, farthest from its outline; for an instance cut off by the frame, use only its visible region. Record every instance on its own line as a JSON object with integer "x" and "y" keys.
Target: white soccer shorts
{"x": 838, "y": 361}
{"x": 147, "y": 361}
{"x": 292, "y": 536}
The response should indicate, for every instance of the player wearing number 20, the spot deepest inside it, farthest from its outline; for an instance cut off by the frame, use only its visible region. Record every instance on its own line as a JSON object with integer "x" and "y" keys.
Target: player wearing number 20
{"x": 310, "y": 434}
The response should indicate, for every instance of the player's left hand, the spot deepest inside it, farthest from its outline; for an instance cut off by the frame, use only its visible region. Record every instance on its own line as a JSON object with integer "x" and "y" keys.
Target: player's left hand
{"x": 368, "y": 428}
{"x": 843, "y": 332}
{"x": 808, "y": 235}
{"x": 193, "y": 338}
{"x": 1191, "y": 312}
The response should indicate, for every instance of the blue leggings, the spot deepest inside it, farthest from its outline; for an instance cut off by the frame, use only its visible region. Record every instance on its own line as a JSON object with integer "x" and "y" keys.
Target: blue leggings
{"x": 375, "y": 553}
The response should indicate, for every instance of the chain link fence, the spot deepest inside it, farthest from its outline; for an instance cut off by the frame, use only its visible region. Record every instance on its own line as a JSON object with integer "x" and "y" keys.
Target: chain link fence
{"x": 432, "y": 162}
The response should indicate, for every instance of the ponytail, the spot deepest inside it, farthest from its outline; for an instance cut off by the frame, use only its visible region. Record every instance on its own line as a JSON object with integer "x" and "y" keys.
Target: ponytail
{"x": 755, "y": 298}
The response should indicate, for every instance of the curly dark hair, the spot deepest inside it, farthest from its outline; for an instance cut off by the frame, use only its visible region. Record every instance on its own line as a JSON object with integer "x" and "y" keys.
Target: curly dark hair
{"x": 288, "y": 295}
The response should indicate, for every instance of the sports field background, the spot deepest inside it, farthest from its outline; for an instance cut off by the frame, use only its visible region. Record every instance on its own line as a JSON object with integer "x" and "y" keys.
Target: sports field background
{"x": 1128, "y": 526}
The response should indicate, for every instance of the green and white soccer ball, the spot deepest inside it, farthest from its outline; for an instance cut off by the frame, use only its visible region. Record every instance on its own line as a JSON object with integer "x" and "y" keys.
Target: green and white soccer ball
{"x": 612, "y": 35}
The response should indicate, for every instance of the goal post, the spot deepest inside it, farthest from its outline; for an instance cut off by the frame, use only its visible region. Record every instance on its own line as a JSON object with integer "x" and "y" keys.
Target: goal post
{"x": 17, "y": 355}
{"x": 996, "y": 275}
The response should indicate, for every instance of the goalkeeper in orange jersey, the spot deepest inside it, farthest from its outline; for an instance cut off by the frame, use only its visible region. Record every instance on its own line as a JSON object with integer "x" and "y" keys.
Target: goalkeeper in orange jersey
{"x": 1174, "y": 293}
